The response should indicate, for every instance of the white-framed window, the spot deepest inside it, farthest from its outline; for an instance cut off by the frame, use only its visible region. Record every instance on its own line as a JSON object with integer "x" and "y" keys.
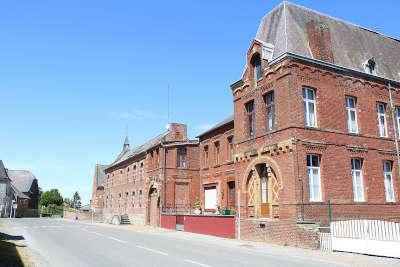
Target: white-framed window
{"x": 217, "y": 153}
{"x": 210, "y": 198}
{"x": 398, "y": 121}
{"x": 387, "y": 174}
{"x": 314, "y": 177}
{"x": 141, "y": 171}
{"x": 269, "y": 100}
{"x": 257, "y": 68}
{"x": 351, "y": 114}
{"x": 181, "y": 155}
{"x": 356, "y": 173}
{"x": 310, "y": 113}
{"x": 251, "y": 118}
{"x": 381, "y": 111}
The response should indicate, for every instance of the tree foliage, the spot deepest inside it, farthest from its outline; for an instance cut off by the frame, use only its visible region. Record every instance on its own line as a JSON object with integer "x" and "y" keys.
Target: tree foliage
{"x": 51, "y": 197}
{"x": 76, "y": 200}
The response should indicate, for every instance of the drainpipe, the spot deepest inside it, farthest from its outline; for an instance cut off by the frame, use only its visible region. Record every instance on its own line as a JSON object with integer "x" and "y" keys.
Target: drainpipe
{"x": 396, "y": 140}
{"x": 300, "y": 180}
{"x": 164, "y": 170}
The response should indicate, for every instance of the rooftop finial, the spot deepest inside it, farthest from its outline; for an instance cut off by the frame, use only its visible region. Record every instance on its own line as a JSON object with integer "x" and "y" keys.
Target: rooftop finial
{"x": 126, "y": 142}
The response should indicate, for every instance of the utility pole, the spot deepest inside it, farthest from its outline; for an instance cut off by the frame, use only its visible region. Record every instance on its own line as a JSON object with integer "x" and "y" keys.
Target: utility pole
{"x": 395, "y": 129}
{"x": 169, "y": 105}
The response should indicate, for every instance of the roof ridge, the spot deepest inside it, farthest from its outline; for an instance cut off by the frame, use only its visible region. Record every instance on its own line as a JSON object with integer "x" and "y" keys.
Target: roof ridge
{"x": 337, "y": 19}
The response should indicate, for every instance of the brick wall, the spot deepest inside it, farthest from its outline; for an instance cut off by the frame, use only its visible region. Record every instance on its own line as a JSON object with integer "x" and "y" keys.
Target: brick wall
{"x": 83, "y": 216}
{"x": 280, "y": 232}
{"x": 218, "y": 174}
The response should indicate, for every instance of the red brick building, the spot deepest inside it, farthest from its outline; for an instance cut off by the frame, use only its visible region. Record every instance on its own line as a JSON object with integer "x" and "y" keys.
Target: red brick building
{"x": 217, "y": 171}
{"x": 162, "y": 173}
{"x": 314, "y": 123}
{"x": 313, "y": 137}
{"x": 97, "y": 201}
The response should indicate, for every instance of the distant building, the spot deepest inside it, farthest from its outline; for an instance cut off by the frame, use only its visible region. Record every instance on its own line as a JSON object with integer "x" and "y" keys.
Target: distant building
{"x": 19, "y": 187}
{"x": 6, "y": 192}
{"x": 26, "y": 184}
{"x": 97, "y": 201}
{"x": 163, "y": 173}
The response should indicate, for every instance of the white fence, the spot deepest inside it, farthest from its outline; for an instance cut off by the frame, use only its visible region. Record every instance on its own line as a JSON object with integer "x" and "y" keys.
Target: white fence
{"x": 367, "y": 237}
{"x": 325, "y": 241}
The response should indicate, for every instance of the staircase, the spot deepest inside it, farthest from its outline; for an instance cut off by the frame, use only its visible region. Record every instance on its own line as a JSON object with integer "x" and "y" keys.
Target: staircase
{"x": 125, "y": 219}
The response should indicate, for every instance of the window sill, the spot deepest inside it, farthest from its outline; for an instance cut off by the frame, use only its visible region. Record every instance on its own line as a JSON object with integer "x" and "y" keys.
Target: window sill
{"x": 316, "y": 201}
{"x": 217, "y": 165}
{"x": 354, "y": 134}
{"x": 310, "y": 127}
{"x": 205, "y": 168}
{"x": 229, "y": 162}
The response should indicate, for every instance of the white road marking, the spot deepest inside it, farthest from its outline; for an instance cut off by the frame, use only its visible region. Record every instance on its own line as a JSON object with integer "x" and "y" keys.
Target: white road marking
{"x": 118, "y": 240}
{"x": 153, "y": 250}
{"x": 97, "y": 233}
{"x": 197, "y": 263}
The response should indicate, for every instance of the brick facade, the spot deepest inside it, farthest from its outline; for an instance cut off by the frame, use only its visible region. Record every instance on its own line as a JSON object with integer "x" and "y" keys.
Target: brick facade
{"x": 144, "y": 180}
{"x": 217, "y": 166}
{"x": 298, "y": 158}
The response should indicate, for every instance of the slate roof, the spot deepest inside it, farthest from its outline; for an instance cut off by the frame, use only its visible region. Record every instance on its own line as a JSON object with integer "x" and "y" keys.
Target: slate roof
{"x": 218, "y": 125}
{"x": 100, "y": 174}
{"x": 21, "y": 179}
{"x": 352, "y": 45}
{"x": 18, "y": 193}
{"x": 128, "y": 153}
{"x": 3, "y": 172}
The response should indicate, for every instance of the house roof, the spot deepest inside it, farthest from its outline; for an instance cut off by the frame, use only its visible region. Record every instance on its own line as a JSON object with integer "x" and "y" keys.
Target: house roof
{"x": 100, "y": 174}
{"x": 3, "y": 172}
{"x": 129, "y": 153}
{"x": 22, "y": 179}
{"x": 218, "y": 125}
{"x": 18, "y": 193}
{"x": 285, "y": 27}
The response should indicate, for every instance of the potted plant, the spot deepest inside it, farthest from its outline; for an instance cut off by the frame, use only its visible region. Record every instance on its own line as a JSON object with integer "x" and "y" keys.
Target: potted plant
{"x": 197, "y": 208}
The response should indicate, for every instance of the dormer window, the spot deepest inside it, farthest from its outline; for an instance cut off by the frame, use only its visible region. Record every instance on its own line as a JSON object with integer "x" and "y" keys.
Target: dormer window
{"x": 370, "y": 66}
{"x": 256, "y": 63}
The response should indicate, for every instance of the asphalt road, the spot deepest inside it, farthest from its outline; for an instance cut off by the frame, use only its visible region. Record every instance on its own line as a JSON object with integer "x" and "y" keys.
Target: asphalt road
{"x": 57, "y": 242}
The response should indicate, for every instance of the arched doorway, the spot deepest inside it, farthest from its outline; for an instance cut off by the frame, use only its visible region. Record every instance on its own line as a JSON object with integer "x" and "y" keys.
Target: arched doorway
{"x": 153, "y": 209}
{"x": 262, "y": 191}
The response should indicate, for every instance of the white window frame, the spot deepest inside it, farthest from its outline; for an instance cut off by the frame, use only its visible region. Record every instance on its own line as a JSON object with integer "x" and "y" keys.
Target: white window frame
{"x": 357, "y": 173}
{"x": 398, "y": 121}
{"x": 382, "y": 115}
{"x": 307, "y": 102}
{"x": 313, "y": 197}
{"x": 210, "y": 198}
{"x": 387, "y": 172}
{"x": 352, "y": 126}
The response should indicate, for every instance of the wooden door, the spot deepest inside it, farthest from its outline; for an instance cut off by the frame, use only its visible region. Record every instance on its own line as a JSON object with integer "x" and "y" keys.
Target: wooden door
{"x": 265, "y": 210}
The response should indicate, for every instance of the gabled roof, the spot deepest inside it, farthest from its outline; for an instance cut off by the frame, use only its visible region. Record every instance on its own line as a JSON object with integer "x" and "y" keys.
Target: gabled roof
{"x": 22, "y": 179}
{"x": 129, "y": 153}
{"x": 285, "y": 27}
{"x": 3, "y": 172}
{"x": 226, "y": 121}
{"x": 18, "y": 193}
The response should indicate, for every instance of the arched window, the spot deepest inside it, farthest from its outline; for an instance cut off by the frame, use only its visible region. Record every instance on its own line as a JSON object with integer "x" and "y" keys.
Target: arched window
{"x": 256, "y": 63}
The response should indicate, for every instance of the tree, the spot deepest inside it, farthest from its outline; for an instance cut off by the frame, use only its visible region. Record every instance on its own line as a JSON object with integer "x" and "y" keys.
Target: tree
{"x": 51, "y": 197}
{"x": 76, "y": 200}
{"x": 68, "y": 202}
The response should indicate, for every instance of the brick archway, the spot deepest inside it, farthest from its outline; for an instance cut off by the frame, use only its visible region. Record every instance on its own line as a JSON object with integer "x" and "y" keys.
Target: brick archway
{"x": 153, "y": 206}
{"x": 262, "y": 183}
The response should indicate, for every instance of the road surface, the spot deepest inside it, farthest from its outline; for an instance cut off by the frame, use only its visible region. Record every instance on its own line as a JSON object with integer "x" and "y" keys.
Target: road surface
{"x": 57, "y": 242}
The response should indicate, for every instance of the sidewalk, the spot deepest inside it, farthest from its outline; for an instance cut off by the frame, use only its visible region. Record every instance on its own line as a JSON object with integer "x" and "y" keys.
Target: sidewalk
{"x": 346, "y": 259}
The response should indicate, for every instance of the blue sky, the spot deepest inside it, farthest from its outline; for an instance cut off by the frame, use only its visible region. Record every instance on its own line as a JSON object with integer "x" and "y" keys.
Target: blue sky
{"x": 74, "y": 74}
